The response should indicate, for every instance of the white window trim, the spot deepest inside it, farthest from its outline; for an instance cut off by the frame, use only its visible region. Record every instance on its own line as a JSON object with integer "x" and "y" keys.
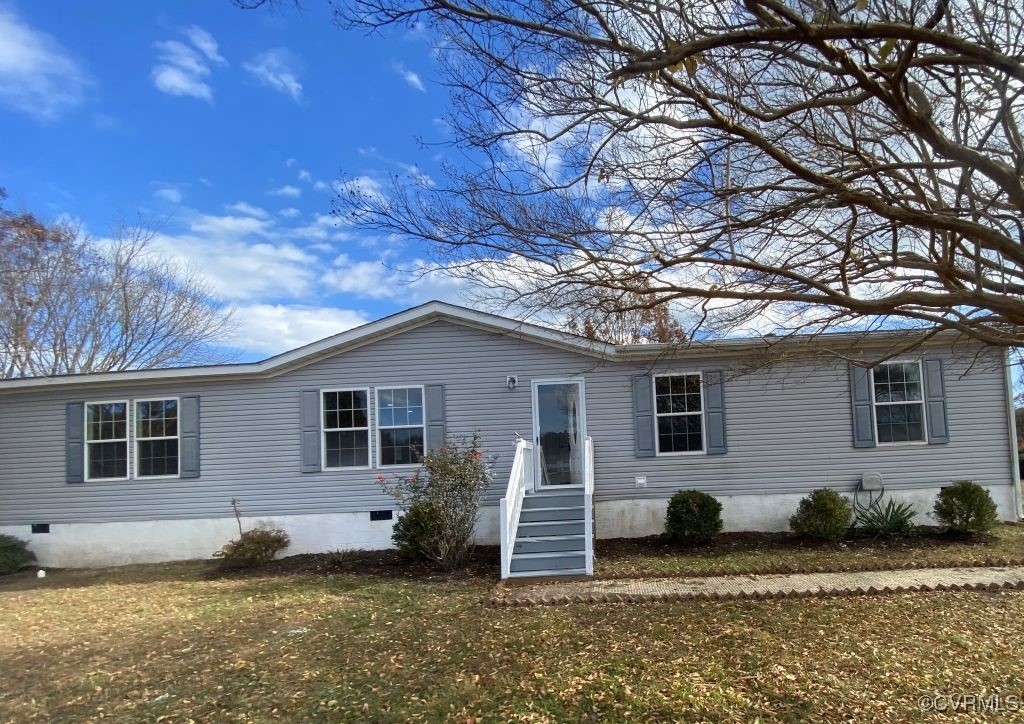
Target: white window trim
{"x": 324, "y": 430}
{"x": 654, "y": 401}
{"x": 136, "y": 439}
{"x": 379, "y": 427}
{"x": 127, "y": 439}
{"x": 924, "y": 407}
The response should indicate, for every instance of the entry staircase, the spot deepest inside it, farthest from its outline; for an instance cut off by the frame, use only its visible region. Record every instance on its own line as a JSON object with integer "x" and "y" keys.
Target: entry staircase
{"x": 546, "y": 531}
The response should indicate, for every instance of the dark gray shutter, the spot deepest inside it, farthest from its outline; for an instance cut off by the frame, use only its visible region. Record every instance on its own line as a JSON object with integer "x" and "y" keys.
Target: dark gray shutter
{"x": 188, "y": 431}
{"x": 714, "y": 412}
{"x": 310, "y": 418}
{"x": 935, "y": 401}
{"x": 435, "y": 417}
{"x": 860, "y": 398}
{"x": 74, "y": 442}
{"x": 643, "y": 417}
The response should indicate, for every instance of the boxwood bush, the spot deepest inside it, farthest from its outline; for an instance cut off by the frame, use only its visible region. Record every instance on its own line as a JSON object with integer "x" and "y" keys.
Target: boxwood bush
{"x": 14, "y": 554}
{"x": 824, "y": 514}
{"x": 966, "y": 507}
{"x": 693, "y": 517}
{"x": 413, "y": 528}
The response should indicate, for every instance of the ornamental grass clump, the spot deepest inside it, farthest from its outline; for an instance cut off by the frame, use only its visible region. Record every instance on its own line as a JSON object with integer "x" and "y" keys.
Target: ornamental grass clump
{"x": 441, "y": 502}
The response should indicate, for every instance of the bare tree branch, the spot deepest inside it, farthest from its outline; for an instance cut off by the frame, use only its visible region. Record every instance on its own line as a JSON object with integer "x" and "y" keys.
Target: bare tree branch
{"x": 70, "y": 304}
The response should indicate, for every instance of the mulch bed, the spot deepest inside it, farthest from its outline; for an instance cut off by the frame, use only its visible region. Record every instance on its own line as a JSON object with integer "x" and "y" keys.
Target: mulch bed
{"x": 726, "y": 543}
{"x": 483, "y": 563}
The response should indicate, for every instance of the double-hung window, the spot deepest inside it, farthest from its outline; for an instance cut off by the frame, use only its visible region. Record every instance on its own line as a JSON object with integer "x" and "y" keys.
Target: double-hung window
{"x": 400, "y": 429}
{"x": 156, "y": 438}
{"x": 679, "y": 410}
{"x": 106, "y": 440}
{"x": 899, "y": 402}
{"x": 346, "y": 428}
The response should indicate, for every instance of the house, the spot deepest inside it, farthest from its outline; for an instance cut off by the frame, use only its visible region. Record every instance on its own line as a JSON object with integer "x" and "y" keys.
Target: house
{"x": 589, "y": 439}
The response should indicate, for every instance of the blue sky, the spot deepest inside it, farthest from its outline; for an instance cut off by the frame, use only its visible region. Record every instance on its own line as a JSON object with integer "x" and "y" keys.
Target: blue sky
{"x": 230, "y": 127}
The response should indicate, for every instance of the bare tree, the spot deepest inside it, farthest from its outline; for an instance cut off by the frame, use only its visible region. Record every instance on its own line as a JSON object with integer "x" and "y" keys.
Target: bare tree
{"x": 790, "y": 164}
{"x": 70, "y": 304}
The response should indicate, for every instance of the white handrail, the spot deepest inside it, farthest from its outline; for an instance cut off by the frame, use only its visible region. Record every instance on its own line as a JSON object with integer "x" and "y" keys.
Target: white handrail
{"x": 588, "y": 502}
{"x": 519, "y": 481}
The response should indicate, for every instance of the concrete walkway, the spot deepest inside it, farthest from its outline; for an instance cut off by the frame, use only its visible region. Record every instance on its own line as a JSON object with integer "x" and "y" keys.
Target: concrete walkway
{"x": 757, "y": 587}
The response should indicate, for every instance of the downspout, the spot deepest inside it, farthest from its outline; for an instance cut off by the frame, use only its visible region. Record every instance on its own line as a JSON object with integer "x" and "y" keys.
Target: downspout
{"x": 1011, "y": 418}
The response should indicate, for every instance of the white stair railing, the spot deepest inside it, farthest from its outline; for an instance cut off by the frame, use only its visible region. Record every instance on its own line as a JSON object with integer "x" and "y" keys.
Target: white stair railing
{"x": 588, "y": 502}
{"x": 520, "y": 480}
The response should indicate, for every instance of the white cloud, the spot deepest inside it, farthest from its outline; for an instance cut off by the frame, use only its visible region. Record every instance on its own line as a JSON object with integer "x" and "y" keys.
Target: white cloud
{"x": 182, "y": 69}
{"x": 277, "y": 69}
{"x": 229, "y": 226}
{"x": 169, "y": 194}
{"x": 413, "y": 282}
{"x": 205, "y": 43}
{"x": 323, "y": 228}
{"x": 362, "y": 185}
{"x": 248, "y": 209}
{"x": 305, "y": 175}
{"x": 290, "y": 213}
{"x": 411, "y": 78}
{"x": 273, "y": 328}
{"x": 238, "y": 268}
{"x": 291, "y": 192}
{"x": 37, "y": 76}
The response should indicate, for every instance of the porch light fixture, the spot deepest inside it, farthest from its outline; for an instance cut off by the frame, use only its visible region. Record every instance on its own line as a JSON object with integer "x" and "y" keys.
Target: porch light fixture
{"x": 511, "y": 381}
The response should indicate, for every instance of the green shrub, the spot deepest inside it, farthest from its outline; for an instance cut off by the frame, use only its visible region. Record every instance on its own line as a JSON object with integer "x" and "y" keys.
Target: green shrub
{"x": 254, "y": 547}
{"x": 693, "y": 517}
{"x": 413, "y": 530}
{"x": 966, "y": 507}
{"x": 14, "y": 554}
{"x": 824, "y": 514}
{"x": 892, "y": 519}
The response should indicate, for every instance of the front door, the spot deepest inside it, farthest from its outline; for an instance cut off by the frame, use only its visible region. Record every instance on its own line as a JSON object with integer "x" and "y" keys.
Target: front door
{"x": 559, "y": 429}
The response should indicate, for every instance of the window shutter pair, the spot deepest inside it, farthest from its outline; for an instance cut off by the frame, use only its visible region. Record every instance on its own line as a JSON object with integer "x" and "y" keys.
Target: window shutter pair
{"x": 861, "y": 399}
{"x": 714, "y": 414}
{"x": 188, "y": 439}
{"x": 434, "y": 417}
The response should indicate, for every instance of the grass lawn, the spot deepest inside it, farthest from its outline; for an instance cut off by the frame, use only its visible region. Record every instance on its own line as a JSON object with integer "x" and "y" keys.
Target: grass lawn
{"x": 750, "y": 552}
{"x": 304, "y": 642}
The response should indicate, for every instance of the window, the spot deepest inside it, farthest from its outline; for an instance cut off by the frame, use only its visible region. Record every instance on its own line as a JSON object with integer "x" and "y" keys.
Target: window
{"x": 678, "y": 408}
{"x": 106, "y": 440}
{"x": 400, "y": 431}
{"x": 899, "y": 402}
{"x": 156, "y": 438}
{"x": 346, "y": 428}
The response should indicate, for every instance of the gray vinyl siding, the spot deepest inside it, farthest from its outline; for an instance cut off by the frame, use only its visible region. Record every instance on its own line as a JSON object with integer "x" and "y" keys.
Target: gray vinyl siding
{"x": 789, "y": 430}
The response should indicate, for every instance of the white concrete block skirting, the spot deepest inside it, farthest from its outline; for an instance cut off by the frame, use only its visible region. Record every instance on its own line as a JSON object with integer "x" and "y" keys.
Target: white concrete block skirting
{"x": 641, "y": 517}
{"x": 82, "y": 545}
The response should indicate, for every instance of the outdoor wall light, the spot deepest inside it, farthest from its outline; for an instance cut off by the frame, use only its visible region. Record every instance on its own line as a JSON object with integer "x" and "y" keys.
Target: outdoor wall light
{"x": 511, "y": 381}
